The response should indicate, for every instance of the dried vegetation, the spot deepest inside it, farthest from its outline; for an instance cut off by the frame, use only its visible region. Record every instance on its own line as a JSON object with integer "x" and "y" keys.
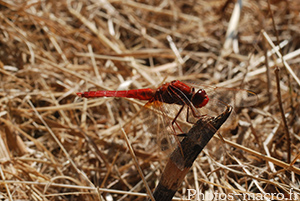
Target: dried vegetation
{"x": 55, "y": 146}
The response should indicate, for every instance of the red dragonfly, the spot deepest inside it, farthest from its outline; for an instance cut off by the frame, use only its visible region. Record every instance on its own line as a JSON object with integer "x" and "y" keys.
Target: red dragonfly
{"x": 175, "y": 92}
{"x": 181, "y": 94}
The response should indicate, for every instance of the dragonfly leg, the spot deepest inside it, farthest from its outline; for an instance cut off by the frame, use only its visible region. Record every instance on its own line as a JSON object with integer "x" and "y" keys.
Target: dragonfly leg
{"x": 194, "y": 114}
{"x": 185, "y": 101}
{"x": 175, "y": 122}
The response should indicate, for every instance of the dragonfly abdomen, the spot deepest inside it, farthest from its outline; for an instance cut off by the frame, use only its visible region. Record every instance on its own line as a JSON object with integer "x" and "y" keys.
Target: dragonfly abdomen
{"x": 141, "y": 94}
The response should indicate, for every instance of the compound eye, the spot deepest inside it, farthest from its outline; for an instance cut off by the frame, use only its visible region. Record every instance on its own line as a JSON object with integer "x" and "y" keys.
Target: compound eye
{"x": 200, "y": 98}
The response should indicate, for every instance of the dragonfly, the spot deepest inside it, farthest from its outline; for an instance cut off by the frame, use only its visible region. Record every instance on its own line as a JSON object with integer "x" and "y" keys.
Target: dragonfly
{"x": 184, "y": 95}
{"x": 193, "y": 97}
{"x": 175, "y": 92}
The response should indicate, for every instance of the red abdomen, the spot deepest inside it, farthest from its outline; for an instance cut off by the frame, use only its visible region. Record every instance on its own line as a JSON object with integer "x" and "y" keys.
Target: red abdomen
{"x": 141, "y": 94}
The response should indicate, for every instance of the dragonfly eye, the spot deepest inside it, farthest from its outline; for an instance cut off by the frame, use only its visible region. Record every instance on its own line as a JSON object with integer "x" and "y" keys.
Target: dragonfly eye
{"x": 200, "y": 98}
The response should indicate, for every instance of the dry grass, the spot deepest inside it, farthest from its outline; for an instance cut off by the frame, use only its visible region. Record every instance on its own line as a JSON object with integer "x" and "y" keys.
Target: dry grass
{"x": 55, "y": 146}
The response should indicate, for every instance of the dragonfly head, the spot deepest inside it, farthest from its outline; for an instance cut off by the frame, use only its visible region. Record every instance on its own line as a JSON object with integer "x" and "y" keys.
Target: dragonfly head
{"x": 200, "y": 98}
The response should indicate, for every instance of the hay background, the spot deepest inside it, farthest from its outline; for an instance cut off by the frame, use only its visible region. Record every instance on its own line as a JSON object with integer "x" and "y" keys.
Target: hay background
{"x": 55, "y": 146}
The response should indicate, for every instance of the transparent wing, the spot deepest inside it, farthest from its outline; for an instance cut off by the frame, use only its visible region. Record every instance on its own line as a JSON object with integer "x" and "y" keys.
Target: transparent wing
{"x": 167, "y": 132}
{"x": 233, "y": 96}
{"x": 221, "y": 97}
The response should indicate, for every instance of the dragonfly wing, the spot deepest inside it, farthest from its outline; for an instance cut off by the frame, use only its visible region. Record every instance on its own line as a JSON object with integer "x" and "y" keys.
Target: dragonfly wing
{"x": 221, "y": 97}
{"x": 234, "y": 97}
{"x": 166, "y": 132}
{"x": 229, "y": 96}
